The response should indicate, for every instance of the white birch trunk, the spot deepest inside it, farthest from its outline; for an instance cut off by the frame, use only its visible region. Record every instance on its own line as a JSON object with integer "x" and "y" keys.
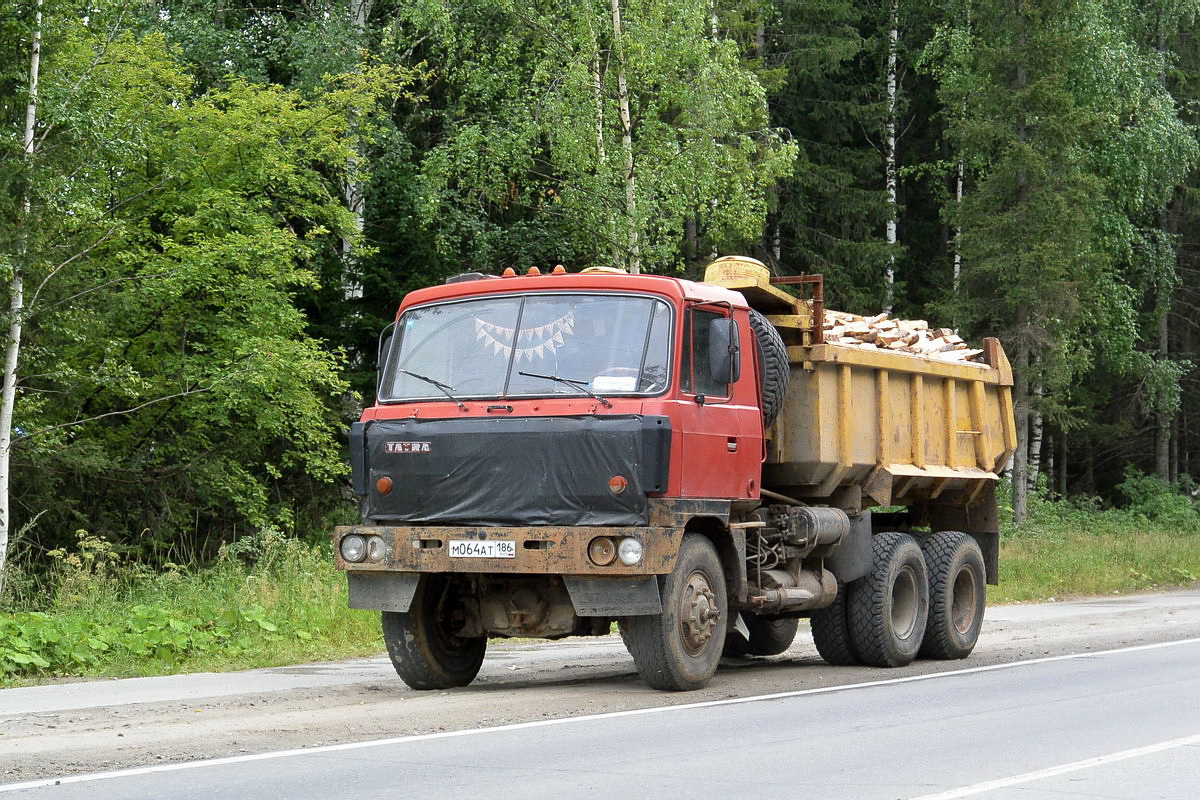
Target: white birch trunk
{"x": 1164, "y": 422}
{"x": 634, "y": 257}
{"x": 610, "y": 226}
{"x": 353, "y": 191}
{"x": 16, "y": 287}
{"x": 1035, "y": 436}
{"x": 958, "y": 196}
{"x": 889, "y": 275}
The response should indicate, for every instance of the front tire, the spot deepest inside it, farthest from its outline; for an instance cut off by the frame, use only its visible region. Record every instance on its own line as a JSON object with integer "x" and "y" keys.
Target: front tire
{"x": 957, "y": 595}
{"x": 423, "y": 645}
{"x": 678, "y": 650}
{"x": 888, "y": 607}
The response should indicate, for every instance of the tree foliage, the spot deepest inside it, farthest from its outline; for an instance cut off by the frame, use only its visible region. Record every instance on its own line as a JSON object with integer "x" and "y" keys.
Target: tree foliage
{"x": 190, "y": 353}
{"x": 528, "y": 166}
{"x": 168, "y": 383}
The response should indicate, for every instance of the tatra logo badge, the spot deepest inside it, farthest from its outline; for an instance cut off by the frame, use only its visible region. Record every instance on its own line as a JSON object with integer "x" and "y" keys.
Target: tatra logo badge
{"x": 406, "y": 447}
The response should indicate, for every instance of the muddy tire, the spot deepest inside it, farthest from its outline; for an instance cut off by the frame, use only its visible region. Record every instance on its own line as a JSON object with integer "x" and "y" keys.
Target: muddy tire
{"x": 889, "y": 607}
{"x": 957, "y": 595}
{"x": 769, "y": 636}
{"x": 422, "y": 644}
{"x": 772, "y": 354}
{"x": 679, "y": 649}
{"x": 831, "y": 631}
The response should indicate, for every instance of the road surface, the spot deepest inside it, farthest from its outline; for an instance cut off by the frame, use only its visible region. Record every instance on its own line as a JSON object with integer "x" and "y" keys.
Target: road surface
{"x": 1036, "y": 698}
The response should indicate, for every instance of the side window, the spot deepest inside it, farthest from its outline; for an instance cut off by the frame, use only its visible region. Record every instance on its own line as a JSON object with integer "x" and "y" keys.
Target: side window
{"x": 696, "y": 377}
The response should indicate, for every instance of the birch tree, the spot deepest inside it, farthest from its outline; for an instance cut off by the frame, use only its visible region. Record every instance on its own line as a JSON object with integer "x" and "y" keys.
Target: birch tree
{"x": 1063, "y": 111}
{"x": 577, "y": 130}
{"x": 16, "y": 287}
{"x": 889, "y": 151}
{"x": 163, "y": 362}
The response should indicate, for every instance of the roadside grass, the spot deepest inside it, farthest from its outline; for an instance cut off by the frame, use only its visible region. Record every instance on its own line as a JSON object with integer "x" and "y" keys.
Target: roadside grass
{"x": 1071, "y": 548}
{"x": 271, "y": 600}
{"x": 268, "y": 600}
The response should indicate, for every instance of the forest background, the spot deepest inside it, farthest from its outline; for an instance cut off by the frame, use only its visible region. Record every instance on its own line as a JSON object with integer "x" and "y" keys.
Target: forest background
{"x": 208, "y": 210}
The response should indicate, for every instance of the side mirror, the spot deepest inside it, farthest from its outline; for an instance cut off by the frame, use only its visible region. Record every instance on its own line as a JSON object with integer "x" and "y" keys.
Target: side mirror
{"x": 386, "y": 336}
{"x": 724, "y": 357}
{"x": 385, "y": 344}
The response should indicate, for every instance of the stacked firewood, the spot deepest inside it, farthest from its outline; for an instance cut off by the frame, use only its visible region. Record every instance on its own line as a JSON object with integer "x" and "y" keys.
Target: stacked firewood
{"x": 913, "y": 336}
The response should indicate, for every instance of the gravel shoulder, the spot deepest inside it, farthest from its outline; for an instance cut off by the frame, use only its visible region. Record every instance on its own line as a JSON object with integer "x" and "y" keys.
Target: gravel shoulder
{"x": 48, "y": 731}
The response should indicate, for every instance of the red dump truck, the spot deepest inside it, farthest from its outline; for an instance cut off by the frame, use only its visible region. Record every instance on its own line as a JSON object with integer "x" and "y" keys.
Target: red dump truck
{"x": 550, "y": 453}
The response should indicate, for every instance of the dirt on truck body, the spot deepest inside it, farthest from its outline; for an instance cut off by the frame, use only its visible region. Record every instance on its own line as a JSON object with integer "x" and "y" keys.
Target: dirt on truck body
{"x": 552, "y": 453}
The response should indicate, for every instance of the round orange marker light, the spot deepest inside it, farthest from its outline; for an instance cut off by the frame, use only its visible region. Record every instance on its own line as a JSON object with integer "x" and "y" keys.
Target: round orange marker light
{"x": 508, "y": 272}
{"x": 602, "y": 551}
{"x": 617, "y": 484}
{"x": 534, "y": 271}
{"x": 559, "y": 269}
{"x": 383, "y": 485}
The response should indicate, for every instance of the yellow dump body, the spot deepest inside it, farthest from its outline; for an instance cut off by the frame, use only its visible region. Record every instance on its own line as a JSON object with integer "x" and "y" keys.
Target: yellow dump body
{"x": 903, "y": 428}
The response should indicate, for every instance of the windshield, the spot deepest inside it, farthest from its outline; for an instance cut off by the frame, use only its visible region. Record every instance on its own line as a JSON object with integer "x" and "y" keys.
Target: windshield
{"x": 576, "y": 344}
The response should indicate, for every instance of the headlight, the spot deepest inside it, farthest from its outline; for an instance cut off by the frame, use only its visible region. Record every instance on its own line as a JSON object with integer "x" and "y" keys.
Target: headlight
{"x": 375, "y": 549}
{"x": 630, "y": 551}
{"x": 602, "y": 551}
{"x": 353, "y": 547}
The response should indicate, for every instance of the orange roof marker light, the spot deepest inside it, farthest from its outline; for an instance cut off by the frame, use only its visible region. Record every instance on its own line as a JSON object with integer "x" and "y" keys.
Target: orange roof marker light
{"x": 559, "y": 269}
{"x": 534, "y": 271}
{"x": 508, "y": 272}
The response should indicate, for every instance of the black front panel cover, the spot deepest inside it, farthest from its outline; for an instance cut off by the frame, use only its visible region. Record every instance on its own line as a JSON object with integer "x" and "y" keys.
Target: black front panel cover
{"x": 516, "y": 471}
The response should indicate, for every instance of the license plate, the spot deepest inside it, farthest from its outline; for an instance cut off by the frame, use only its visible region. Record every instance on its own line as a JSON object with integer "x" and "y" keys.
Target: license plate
{"x": 499, "y": 548}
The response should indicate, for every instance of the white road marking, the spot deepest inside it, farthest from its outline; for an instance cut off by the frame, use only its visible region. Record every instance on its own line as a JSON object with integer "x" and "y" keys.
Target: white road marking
{"x": 542, "y": 723}
{"x": 1061, "y": 769}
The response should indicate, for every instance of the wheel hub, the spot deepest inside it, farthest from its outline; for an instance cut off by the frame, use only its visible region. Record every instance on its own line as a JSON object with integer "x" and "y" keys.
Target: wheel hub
{"x": 699, "y": 613}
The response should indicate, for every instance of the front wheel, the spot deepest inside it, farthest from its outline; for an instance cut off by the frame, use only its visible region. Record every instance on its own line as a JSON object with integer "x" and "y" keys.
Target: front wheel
{"x": 425, "y": 649}
{"x": 679, "y": 649}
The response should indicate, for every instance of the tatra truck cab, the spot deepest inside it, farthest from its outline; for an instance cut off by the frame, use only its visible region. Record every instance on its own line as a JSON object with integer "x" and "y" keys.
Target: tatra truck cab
{"x": 550, "y": 453}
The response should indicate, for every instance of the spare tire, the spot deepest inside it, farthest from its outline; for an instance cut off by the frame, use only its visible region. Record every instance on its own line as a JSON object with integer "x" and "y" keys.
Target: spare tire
{"x": 773, "y": 357}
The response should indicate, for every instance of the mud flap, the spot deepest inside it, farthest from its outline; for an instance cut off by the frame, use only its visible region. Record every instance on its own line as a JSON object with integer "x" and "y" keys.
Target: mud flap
{"x": 614, "y": 597}
{"x": 382, "y": 591}
{"x": 853, "y": 557}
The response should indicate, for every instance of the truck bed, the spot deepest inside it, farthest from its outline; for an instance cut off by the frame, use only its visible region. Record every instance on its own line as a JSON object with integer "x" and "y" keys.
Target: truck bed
{"x": 903, "y": 428}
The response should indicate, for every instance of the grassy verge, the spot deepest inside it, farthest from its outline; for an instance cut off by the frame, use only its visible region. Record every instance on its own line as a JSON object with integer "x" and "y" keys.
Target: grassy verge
{"x": 1070, "y": 549}
{"x": 270, "y": 600}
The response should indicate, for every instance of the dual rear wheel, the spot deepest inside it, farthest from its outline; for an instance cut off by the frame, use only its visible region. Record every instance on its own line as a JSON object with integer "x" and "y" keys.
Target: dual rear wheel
{"x": 922, "y": 598}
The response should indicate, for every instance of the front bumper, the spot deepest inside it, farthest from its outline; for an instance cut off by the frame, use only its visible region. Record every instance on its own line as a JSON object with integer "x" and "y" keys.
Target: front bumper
{"x": 541, "y": 550}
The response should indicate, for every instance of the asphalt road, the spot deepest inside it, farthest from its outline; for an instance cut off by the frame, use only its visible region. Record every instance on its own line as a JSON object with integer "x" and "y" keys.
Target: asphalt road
{"x": 1117, "y": 724}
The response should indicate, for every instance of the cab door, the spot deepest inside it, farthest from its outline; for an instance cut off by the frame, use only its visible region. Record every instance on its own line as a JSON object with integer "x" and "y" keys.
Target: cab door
{"x": 721, "y": 430}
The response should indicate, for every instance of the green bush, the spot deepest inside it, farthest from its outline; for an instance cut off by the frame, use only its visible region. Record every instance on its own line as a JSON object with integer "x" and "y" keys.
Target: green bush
{"x": 269, "y": 599}
{"x": 1156, "y": 501}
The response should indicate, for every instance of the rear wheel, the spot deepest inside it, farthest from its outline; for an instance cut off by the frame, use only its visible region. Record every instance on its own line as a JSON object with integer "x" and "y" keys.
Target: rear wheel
{"x": 679, "y": 648}
{"x": 423, "y": 645}
{"x": 888, "y": 607}
{"x": 831, "y": 631}
{"x": 769, "y": 636}
{"x": 957, "y": 595}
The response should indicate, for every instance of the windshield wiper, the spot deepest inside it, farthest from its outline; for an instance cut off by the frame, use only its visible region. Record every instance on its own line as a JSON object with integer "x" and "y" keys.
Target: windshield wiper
{"x": 576, "y": 384}
{"x": 445, "y": 388}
